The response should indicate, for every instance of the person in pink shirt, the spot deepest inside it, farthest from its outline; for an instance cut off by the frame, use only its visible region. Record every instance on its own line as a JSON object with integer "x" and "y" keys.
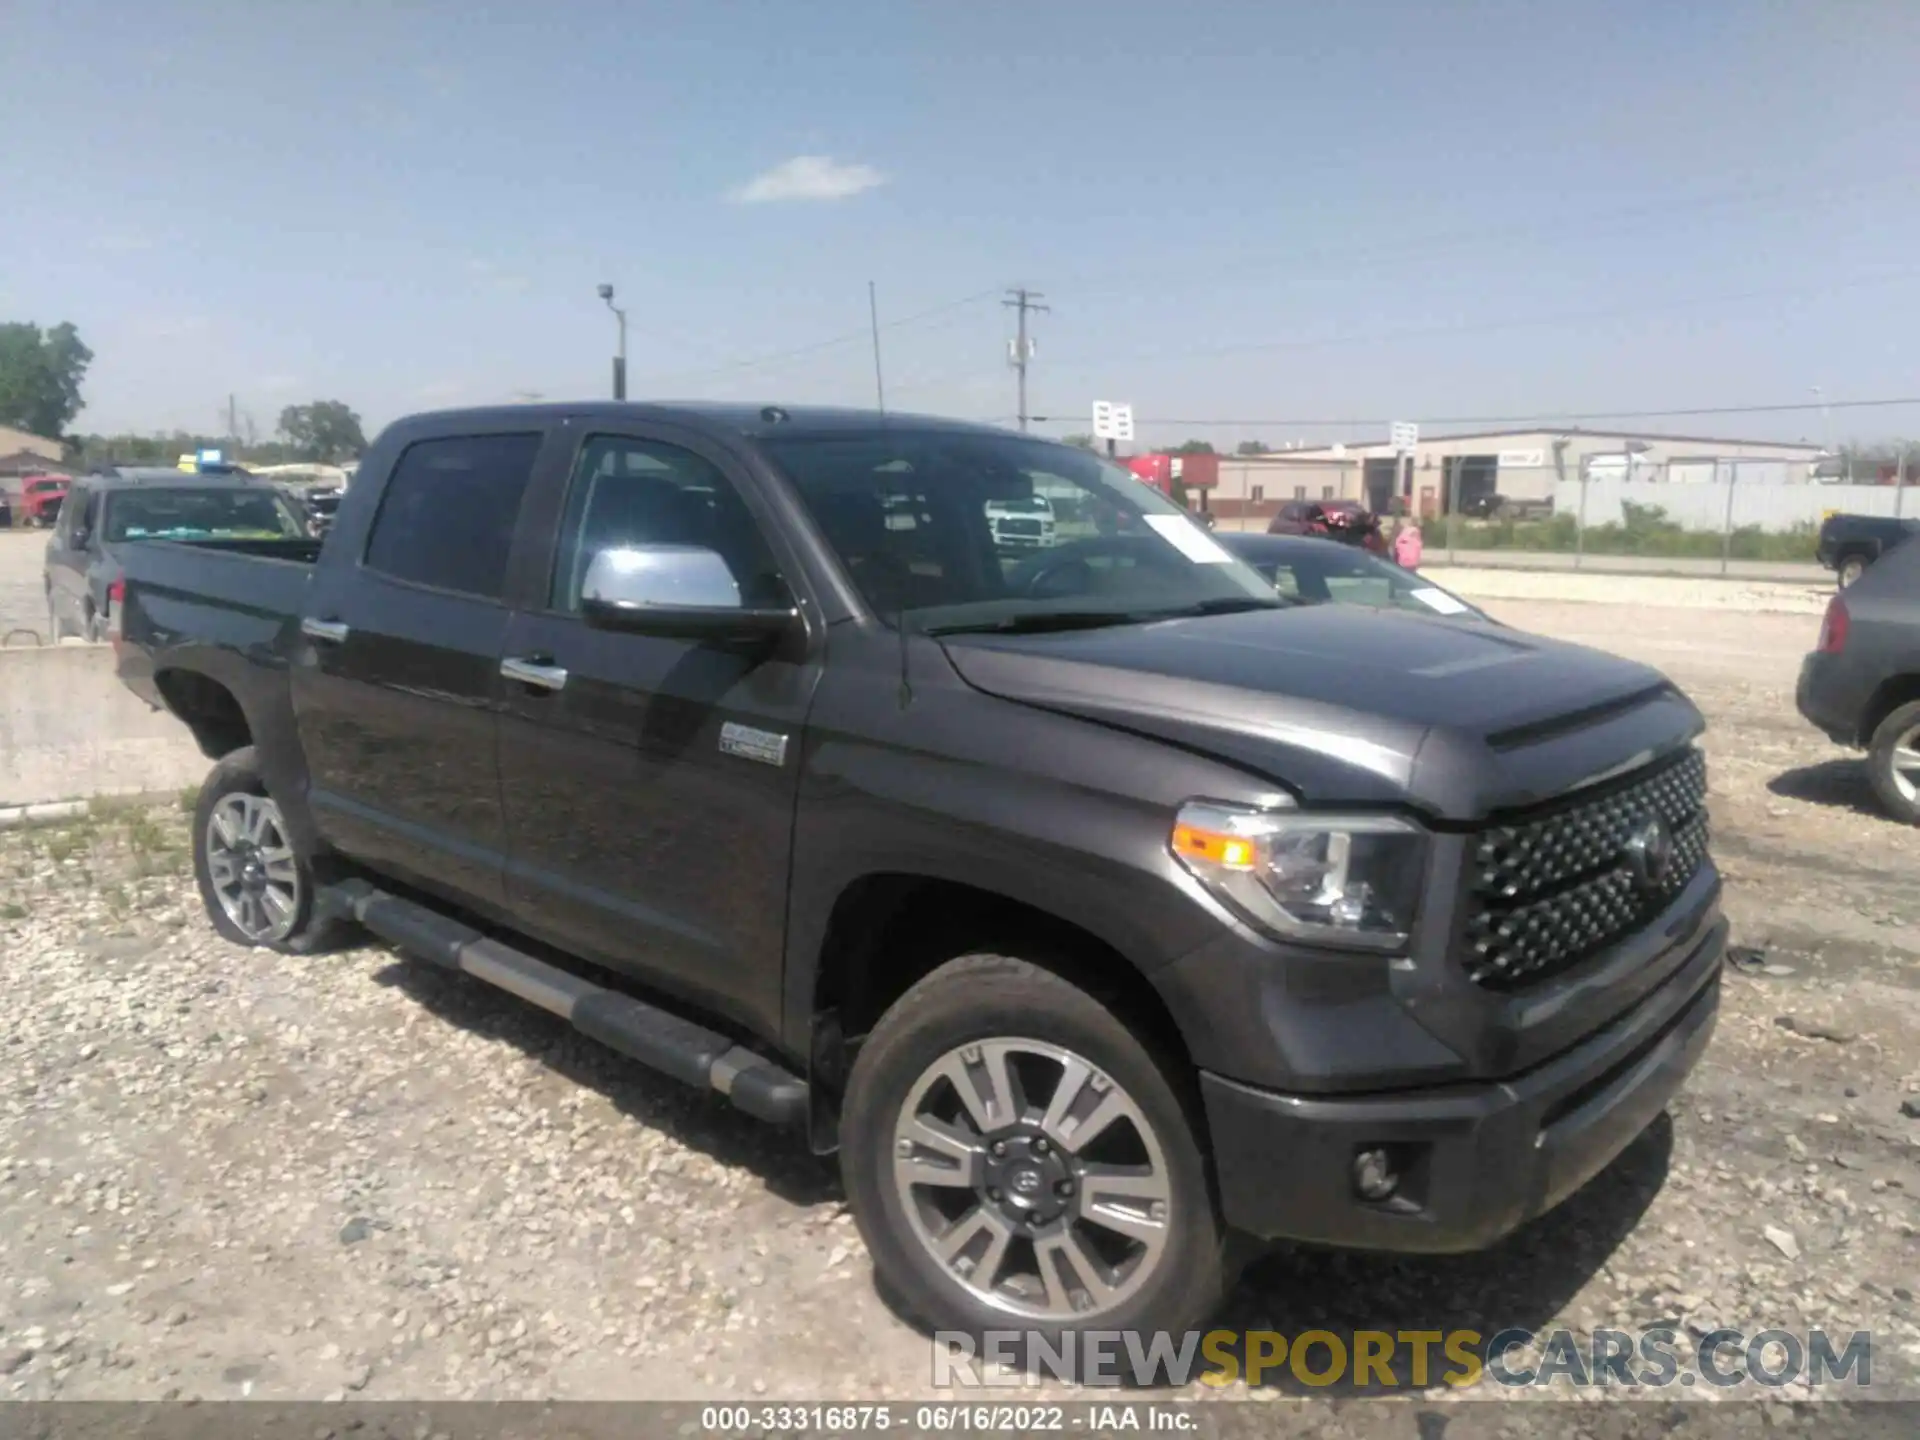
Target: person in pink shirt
{"x": 1406, "y": 546}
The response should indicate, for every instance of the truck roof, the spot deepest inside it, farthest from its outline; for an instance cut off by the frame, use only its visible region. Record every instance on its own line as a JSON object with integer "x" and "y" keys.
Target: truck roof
{"x": 130, "y": 477}
{"x": 757, "y": 422}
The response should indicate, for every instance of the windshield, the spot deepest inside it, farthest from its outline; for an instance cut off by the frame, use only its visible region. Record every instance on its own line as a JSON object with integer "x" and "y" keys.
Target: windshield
{"x": 919, "y": 522}
{"x": 200, "y": 515}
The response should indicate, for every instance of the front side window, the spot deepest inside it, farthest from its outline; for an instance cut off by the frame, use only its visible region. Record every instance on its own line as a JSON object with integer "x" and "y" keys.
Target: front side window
{"x": 628, "y": 492}
{"x": 162, "y": 514}
{"x": 448, "y": 515}
{"x": 73, "y": 514}
{"x": 954, "y": 531}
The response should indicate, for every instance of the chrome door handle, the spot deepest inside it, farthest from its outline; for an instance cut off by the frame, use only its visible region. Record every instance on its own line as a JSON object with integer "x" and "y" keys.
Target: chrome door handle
{"x": 540, "y": 677}
{"x": 326, "y": 632}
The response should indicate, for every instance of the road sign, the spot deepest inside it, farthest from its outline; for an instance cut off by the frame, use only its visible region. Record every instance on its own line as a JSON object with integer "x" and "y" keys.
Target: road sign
{"x": 1405, "y": 435}
{"x": 1112, "y": 421}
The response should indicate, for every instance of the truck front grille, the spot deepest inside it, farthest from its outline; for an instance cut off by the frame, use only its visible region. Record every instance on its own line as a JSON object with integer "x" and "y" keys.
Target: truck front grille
{"x": 1545, "y": 893}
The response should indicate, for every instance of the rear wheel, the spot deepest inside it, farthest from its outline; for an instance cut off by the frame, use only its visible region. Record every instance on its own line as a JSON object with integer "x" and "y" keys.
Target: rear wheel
{"x": 1851, "y": 569}
{"x": 1018, "y": 1158}
{"x": 256, "y": 886}
{"x": 1893, "y": 763}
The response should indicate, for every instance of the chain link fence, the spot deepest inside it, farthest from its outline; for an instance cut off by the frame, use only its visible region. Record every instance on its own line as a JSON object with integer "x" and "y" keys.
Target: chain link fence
{"x": 1711, "y": 513}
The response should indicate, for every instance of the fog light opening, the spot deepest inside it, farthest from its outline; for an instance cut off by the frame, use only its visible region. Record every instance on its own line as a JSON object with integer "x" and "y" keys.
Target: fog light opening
{"x": 1374, "y": 1176}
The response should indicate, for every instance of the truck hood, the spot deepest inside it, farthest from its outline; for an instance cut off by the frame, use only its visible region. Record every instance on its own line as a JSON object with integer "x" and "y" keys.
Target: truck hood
{"x": 1343, "y": 705}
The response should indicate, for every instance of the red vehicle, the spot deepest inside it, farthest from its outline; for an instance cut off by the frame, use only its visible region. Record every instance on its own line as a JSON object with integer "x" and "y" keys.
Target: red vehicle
{"x": 1196, "y": 475}
{"x": 1344, "y": 520}
{"x": 41, "y": 497}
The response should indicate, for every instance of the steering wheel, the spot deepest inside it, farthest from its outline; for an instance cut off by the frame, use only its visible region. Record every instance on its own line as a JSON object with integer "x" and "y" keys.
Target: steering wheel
{"x": 1069, "y": 572}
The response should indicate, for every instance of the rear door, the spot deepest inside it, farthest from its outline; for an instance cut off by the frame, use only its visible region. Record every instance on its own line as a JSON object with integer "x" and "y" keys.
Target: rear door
{"x": 397, "y": 687}
{"x": 650, "y": 782}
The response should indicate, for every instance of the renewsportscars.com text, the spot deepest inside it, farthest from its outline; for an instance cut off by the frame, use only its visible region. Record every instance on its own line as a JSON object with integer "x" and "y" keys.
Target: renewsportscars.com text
{"x": 1406, "y": 1359}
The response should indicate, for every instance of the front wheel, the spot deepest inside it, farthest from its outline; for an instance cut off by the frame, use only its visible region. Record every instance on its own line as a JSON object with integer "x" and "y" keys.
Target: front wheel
{"x": 1018, "y": 1158}
{"x": 256, "y": 886}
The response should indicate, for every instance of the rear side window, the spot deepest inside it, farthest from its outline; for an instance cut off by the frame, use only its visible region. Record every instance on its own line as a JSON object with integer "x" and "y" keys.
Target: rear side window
{"x": 448, "y": 514}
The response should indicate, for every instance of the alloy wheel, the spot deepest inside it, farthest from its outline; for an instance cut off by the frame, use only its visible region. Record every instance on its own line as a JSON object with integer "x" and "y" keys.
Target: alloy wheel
{"x": 251, "y": 862}
{"x": 1032, "y": 1179}
{"x": 1904, "y": 764}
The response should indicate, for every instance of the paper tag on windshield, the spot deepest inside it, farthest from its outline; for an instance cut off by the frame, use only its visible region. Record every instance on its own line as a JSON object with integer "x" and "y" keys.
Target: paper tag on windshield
{"x": 1439, "y": 600}
{"x": 1188, "y": 538}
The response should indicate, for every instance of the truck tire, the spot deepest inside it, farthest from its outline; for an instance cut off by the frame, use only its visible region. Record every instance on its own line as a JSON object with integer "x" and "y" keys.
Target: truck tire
{"x": 258, "y": 889}
{"x": 1893, "y": 763}
{"x": 1850, "y": 569}
{"x": 983, "y": 1195}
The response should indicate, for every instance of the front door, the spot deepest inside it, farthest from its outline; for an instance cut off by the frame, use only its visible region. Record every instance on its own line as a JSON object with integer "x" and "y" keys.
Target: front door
{"x": 650, "y": 783}
{"x": 67, "y": 561}
{"x": 398, "y": 686}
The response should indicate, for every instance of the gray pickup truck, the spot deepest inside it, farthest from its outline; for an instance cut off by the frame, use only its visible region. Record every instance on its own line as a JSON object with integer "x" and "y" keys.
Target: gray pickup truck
{"x": 1097, "y": 906}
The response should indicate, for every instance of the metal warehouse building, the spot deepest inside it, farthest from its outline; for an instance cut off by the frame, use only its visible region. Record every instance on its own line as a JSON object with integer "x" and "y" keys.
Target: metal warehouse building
{"x": 1454, "y": 472}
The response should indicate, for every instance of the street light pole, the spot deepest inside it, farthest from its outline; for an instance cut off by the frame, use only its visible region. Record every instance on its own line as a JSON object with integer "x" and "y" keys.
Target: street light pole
{"x": 619, "y": 360}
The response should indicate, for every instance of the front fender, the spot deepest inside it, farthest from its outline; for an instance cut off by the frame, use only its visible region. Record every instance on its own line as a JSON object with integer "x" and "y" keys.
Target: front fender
{"x": 1067, "y": 817}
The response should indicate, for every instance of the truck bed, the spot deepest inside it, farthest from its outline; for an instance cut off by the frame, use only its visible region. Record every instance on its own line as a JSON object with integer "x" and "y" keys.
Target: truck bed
{"x": 239, "y": 596}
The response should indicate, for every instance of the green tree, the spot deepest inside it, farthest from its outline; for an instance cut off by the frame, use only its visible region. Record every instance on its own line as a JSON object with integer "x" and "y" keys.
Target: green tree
{"x": 325, "y": 431}
{"x": 1084, "y": 442}
{"x": 40, "y": 375}
{"x": 1192, "y": 447}
{"x": 1253, "y": 447}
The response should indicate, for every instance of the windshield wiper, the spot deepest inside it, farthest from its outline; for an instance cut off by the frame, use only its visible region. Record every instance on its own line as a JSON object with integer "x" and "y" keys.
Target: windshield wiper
{"x": 1041, "y": 621}
{"x": 1224, "y": 605}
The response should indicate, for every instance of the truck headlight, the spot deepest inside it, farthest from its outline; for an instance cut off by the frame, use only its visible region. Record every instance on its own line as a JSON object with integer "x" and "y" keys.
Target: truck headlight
{"x": 1326, "y": 879}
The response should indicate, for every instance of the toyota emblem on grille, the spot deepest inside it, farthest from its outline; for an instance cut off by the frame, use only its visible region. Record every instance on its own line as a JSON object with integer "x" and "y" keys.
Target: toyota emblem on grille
{"x": 1650, "y": 853}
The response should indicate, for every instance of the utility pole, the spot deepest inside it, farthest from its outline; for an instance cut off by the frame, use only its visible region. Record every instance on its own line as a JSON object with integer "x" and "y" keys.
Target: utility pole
{"x": 620, "y": 359}
{"x": 1020, "y": 350}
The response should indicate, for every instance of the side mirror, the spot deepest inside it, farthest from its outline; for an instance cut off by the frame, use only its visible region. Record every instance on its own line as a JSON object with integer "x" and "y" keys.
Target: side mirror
{"x": 683, "y": 591}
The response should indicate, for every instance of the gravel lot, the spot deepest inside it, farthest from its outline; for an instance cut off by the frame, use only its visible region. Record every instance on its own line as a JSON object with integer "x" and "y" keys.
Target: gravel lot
{"x": 226, "y": 1174}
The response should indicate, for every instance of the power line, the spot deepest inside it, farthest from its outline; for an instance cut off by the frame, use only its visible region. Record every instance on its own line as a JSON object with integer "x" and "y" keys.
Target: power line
{"x": 797, "y": 352}
{"x": 1531, "y": 322}
{"x": 1542, "y": 418}
{"x": 1599, "y": 219}
{"x": 1023, "y": 300}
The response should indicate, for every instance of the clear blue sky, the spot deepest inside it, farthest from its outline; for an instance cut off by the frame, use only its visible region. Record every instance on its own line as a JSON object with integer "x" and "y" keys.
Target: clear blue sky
{"x": 1237, "y": 210}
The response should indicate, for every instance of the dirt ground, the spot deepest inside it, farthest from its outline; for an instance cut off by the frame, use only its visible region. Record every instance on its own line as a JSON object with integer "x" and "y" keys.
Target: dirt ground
{"x": 225, "y": 1173}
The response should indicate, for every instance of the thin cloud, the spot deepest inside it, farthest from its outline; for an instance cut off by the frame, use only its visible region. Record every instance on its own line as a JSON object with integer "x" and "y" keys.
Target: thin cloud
{"x": 808, "y": 177}
{"x": 493, "y": 277}
{"x": 443, "y": 80}
{"x": 121, "y": 242}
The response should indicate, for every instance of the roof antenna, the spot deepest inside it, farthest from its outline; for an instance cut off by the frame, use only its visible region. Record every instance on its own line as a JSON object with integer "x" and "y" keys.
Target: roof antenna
{"x": 900, "y": 616}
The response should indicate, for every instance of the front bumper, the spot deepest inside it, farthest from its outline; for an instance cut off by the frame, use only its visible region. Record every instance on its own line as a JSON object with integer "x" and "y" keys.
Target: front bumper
{"x": 1476, "y": 1160}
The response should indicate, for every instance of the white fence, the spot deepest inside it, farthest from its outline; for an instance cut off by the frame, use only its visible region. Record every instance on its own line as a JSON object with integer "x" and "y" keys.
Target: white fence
{"x": 1728, "y": 504}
